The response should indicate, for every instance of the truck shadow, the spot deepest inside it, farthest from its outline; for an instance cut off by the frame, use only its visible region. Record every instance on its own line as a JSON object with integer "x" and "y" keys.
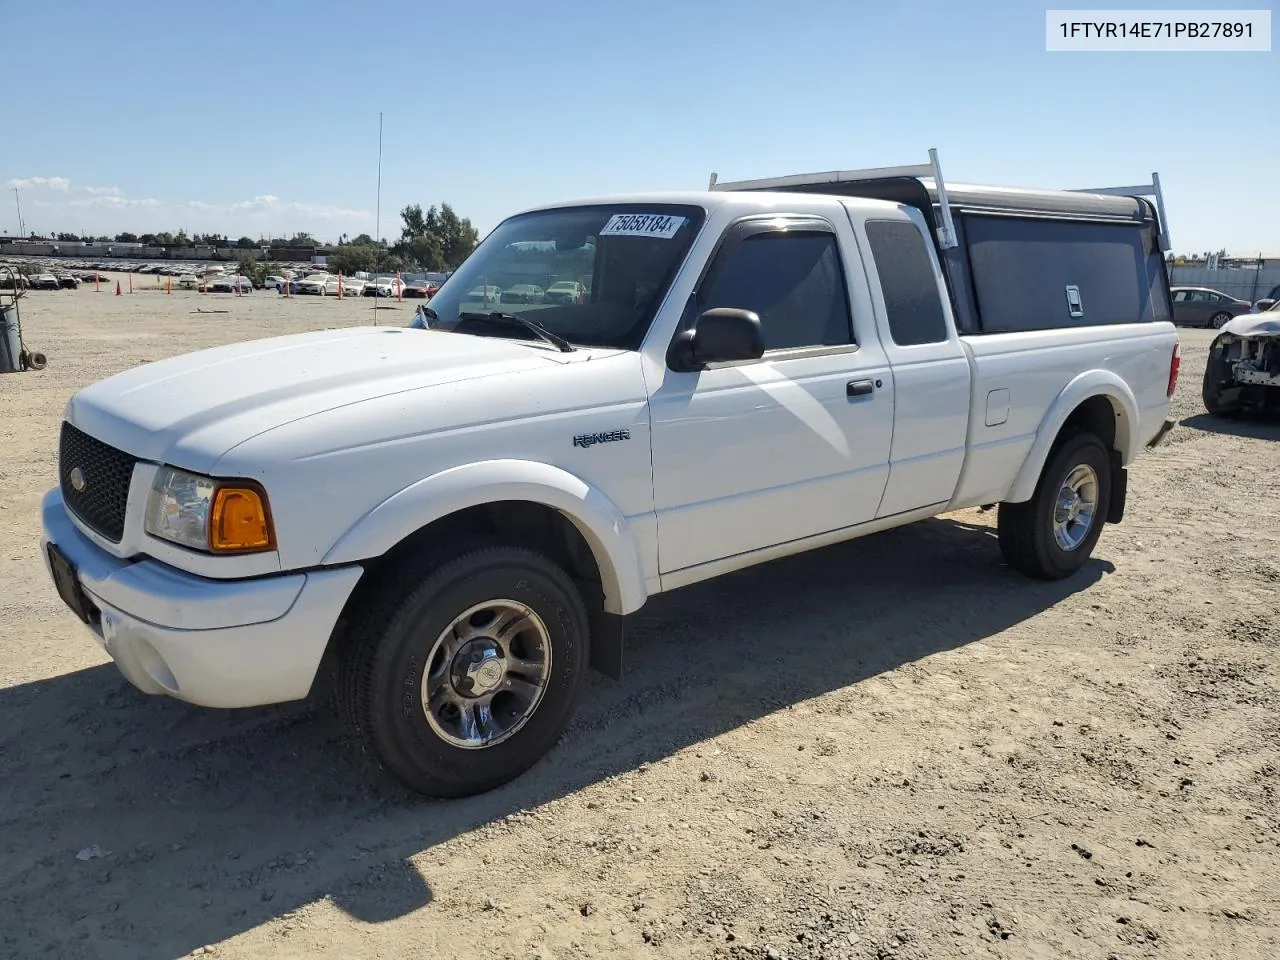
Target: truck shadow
{"x": 1255, "y": 425}
{"x": 230, "y": 819}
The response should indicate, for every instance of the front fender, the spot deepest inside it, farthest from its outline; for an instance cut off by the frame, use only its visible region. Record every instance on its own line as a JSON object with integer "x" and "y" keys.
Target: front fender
{"x": 1092, "y": 383}
{"x": 606, "y": 530}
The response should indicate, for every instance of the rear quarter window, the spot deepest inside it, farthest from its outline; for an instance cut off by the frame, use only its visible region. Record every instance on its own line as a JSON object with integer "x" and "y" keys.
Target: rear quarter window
{"x": 907, "y": 282}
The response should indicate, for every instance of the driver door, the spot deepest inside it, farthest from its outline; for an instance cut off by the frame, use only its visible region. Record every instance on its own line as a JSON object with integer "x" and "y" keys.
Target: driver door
{"x": 751, "y": 454}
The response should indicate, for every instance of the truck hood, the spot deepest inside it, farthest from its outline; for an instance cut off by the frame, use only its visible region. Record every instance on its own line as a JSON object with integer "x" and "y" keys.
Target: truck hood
{"x": 191, "y": 409}
{"x": 1254, "y": 325}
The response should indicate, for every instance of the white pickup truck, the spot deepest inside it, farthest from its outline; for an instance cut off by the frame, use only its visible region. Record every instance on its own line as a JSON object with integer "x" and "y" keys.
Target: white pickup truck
{"x": 460, "y": 518}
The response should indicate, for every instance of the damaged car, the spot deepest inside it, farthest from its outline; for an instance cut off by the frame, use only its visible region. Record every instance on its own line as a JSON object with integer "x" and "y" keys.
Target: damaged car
{"x": 1244, "y": 365}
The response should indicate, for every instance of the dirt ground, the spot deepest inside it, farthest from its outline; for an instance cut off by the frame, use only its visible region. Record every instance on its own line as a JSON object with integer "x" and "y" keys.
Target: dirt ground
{"x": 892, "y": 748}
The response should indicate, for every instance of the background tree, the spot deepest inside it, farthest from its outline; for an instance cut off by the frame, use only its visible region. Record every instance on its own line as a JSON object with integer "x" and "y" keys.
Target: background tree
{"x": 415, "y": 222}
{"x": 126, "y": 238}
{"x": 256, "y": 270}
{"x": 424, "y": 252}
{"x": 352, "y": 258}
{"x": 458, "y": 236}
{"x": 435, "y": 239}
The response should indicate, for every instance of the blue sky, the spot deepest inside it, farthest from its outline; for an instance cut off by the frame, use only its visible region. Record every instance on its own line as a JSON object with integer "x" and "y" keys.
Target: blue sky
{"x": 262, "y": 118}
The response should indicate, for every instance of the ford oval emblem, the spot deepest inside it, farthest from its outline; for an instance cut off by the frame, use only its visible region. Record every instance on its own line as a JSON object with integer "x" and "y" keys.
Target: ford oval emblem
{"x": 77, "y": 480}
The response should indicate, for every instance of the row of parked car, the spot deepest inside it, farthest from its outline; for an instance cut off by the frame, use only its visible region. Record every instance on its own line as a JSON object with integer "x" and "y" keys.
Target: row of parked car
{"x": 563, "y": 291}
{"x": 329, "y": 285}
{"x": 47, "y": 281}
{"x": 1206, "y": 307}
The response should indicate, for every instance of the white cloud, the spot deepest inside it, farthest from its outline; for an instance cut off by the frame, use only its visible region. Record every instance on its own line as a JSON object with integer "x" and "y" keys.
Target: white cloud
{"x": 257, "y": 203}
{"x": 115, "y": 202}
{"x": 61, "y": 184}
{"x": 108, "y": 210}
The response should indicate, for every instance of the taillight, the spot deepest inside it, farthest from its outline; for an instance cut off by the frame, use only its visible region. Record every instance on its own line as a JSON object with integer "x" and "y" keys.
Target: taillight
{"x": 1175, "y": 363}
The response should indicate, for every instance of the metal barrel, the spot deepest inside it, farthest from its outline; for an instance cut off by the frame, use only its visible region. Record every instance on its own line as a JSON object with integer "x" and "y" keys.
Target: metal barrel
{"x": 10, "y": 342}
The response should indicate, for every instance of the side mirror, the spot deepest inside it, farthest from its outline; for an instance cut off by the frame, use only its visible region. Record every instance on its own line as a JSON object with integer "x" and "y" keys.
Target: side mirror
{"x": 722, "y": 334}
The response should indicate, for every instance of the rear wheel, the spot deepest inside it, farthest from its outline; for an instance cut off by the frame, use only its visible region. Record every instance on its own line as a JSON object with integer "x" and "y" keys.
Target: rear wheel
{"x": 1218, "y": 319}
{"x": 1053, "y": 534}
{"x": 460, "y": 678}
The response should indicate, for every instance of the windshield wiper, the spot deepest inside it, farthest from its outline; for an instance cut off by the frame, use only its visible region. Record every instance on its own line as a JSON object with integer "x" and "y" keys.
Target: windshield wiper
{"x": 532, "y": 325}
{"x": 427, "y": 315}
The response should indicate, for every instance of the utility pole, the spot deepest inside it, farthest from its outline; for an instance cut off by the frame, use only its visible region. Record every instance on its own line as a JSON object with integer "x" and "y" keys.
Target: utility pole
{"x": 377, "y": 217}
{"x": 22, "y": 230}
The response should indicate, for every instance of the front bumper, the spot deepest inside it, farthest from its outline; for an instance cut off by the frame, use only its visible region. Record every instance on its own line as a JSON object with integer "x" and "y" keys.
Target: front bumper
{"x": 215, "y": 643}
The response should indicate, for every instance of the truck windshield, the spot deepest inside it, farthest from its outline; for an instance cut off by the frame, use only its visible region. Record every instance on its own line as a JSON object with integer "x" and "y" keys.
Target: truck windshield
{"x": 593, "y": 275}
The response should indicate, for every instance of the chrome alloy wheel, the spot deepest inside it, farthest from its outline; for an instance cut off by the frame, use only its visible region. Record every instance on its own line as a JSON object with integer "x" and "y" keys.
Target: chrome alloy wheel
{"x": 486, "y": 674}
{"x": 1077, "y": 503}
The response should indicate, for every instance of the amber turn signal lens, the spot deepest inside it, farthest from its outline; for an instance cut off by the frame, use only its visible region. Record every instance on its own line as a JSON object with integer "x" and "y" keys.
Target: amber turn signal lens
{"x": 239, "y": 521}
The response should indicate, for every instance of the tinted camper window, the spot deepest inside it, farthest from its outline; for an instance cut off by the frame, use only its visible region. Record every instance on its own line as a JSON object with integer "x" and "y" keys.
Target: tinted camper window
{"x": 1022, "y": 268}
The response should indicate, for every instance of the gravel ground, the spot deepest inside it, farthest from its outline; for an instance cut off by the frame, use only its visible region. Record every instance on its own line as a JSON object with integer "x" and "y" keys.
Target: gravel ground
{"x": 937, "y": 758}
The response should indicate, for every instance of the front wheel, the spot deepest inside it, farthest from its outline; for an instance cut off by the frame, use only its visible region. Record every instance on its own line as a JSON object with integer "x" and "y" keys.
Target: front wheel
{"x": 1220, "y": 398}
{"x": 1052, "y": 535}
{"x": 461, "y": 679}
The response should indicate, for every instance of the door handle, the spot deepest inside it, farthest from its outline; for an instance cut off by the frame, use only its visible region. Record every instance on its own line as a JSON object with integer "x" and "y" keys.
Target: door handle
{"x": 858, "y": 388}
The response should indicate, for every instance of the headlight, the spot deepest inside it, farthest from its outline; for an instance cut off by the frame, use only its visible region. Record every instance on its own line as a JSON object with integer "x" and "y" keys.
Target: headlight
{"x": 214, "y": 516}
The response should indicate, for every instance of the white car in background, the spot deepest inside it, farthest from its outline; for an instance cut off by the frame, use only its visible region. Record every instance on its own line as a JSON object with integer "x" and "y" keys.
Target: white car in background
{"x": 1243, "y": 370}
{"x": 485, "y": 293}
{"x": 272, "y": 283}
{"x": 566, "y": 291}
{"x": 316, "y": 283}
{"x": 384, "y": 287}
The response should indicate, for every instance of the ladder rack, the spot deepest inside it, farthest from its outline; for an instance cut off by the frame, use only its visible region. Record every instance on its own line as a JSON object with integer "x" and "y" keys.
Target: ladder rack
{"x": 932, "y": 169}
{"x": 1151, "y": 189}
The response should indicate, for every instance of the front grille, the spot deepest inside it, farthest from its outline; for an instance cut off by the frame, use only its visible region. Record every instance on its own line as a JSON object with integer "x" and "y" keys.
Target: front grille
{"x": 104, "y": 473}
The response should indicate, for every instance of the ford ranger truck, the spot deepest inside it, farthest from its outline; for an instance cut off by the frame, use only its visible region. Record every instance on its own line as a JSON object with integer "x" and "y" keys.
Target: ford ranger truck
{"x": 460, "y": 517}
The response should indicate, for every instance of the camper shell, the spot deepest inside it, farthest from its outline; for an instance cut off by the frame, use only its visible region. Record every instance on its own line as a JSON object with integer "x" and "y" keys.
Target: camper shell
{"x": 1015, "y": 259}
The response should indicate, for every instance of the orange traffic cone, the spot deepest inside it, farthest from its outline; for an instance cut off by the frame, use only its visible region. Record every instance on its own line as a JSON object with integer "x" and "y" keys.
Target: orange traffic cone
{"x": 117, "y": 288}
{"x": 169, "y": 286}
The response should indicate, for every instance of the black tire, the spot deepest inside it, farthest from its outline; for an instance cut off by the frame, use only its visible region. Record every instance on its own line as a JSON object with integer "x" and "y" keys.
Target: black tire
{"x": 383, "y": 660}
{"x": 1211, "y": 390}
{"x": 1026, "y": 530}
{"x": 1218, "y": 319}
